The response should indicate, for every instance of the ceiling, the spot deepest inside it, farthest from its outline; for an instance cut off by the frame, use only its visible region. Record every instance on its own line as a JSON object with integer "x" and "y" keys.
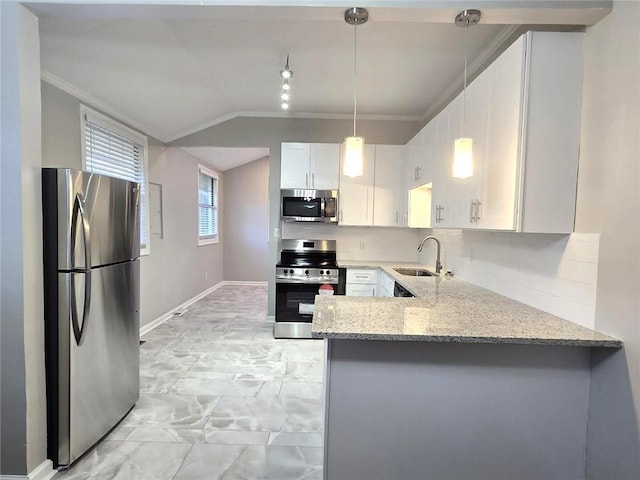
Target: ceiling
{"x": 174, "y": 70}
{"x": 225, "y": 158}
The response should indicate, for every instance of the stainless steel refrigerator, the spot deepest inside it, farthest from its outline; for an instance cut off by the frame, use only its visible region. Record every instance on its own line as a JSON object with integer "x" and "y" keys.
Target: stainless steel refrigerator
{"x": 91, "y": 242}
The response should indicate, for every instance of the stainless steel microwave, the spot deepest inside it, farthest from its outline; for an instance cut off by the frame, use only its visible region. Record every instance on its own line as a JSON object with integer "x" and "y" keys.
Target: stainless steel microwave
{"x": 309, "y": 205}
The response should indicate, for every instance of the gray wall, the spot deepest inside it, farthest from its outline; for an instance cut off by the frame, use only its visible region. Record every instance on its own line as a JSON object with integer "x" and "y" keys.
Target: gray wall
{"x": 177, "y": 269}
{"x": 609, "y": 202}
{"x": 22, "y": 436}
{"x": 271, "y": 132}
{"x": 246, "y": 222}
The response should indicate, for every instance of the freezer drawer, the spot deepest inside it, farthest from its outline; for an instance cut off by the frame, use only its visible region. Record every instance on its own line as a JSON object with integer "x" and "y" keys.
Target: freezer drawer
{"x": 99, "y": 374}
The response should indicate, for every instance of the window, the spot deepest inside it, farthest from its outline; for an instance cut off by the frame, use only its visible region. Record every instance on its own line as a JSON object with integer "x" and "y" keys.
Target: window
{"x": 207, "y": 206}
{"x": 110, "y": 148}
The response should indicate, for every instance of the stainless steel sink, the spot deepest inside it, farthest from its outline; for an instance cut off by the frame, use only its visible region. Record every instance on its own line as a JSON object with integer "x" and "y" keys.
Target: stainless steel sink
{"x": 415, "y": 272}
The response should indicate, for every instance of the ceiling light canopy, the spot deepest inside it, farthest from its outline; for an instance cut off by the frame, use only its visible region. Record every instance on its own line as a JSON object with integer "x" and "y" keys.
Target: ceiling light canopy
{"x": 286, "y": 72}
{"x": 353, "y": 161}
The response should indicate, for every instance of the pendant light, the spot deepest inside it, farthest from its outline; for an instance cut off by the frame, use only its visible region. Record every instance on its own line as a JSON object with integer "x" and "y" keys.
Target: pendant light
{"x": 353, "y": 162}
{"x": 463, "y": 146}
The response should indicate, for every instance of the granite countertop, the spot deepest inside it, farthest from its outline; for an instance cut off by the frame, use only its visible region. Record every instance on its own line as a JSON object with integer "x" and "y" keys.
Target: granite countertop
{"x": 444, "y": 310}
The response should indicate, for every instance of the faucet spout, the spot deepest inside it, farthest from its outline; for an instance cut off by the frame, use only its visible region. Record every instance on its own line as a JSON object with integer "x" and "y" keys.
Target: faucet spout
{"x": 431, "y": 237}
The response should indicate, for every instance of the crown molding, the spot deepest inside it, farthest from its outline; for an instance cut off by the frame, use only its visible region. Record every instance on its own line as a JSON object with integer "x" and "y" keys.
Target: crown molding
{"x": 94, "y": 102}
{"x": 478, "y": 63}
{"x": 300, "y": 115}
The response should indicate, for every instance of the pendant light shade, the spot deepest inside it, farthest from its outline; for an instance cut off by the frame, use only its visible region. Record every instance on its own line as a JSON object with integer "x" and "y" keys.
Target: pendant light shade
{"x": 463, "y": 146}
{"x": 463, "y": 158}
{"x": 353, "y": 160}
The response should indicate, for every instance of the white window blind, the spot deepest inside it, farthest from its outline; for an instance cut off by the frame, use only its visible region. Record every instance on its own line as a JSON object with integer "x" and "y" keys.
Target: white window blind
{"x": 109, "y": 149}
{"x": 207, "y": 206}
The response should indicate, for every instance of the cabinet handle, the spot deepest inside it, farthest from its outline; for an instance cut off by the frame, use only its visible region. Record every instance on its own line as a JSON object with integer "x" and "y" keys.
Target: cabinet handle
{"x": 396, "y": 217}
{"x": 313, "y": 180}
{"x": 366, "y": 205}
{"x": 306, "y": 180}
{"x": 478, "y": 203}
{"x": 472, "y": 204}
{"x": 415, "y": 173}
{"x": 419, "y": 174}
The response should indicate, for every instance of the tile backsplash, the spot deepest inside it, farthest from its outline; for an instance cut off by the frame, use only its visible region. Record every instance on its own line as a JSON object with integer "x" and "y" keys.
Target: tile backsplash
{"x": 555, "y": 273}
{"x": 361, "y": 243}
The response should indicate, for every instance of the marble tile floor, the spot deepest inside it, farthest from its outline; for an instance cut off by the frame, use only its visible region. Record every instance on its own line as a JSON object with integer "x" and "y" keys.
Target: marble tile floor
{"x": 220, "y": 399}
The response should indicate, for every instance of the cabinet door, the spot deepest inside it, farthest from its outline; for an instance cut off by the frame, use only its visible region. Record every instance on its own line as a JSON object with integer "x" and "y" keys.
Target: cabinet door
{"x": 500, "y": 169}
{"x": 325, "y": 166}
{"x": 357, "y": 290}
{"x": 387, "y": 185}
{"x": 469, "y": 191}
{"x": 356, "y": 194}
{"x": 294, "y": 165}
{"x": 442, "y": 173}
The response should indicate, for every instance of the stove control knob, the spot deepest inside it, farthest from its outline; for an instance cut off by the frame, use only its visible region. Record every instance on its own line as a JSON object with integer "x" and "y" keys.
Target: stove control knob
{"x": 291, "y": 272}
{"x": 306, "y": 272}
{"x": 321, "y": 272}
{"x": 327, "y": 272}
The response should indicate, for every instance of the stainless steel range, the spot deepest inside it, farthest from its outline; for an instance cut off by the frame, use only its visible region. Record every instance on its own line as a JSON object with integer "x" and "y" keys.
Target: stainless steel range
{"x": 306, "y": 268}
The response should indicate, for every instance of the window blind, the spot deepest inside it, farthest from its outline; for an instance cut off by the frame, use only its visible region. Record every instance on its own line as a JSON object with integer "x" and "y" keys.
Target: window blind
{"x": 109, "y": 153}
{"x": 207, "y": 205}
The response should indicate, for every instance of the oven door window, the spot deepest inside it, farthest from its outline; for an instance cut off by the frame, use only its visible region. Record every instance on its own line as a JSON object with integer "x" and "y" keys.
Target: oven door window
{"x": 301, "y": 207}
{"x": 294, "y": 301}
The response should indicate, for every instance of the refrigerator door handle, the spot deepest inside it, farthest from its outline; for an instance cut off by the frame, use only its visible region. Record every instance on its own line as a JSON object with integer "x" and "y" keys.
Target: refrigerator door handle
{"x": 78, "y": 207}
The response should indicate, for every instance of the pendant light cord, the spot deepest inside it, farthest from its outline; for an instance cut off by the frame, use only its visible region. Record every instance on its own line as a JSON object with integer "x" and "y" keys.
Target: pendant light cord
{"x": 355, "y": 69}
{"x": 464, "y": 89}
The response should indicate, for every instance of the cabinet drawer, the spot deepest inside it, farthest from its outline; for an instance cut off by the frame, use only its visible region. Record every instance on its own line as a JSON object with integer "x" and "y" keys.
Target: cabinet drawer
{"x": 361, "y": 290}
{"x": 362, "y": 276}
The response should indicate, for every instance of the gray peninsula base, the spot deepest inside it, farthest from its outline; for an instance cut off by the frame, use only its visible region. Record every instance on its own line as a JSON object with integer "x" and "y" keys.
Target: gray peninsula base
{"x": 399, "y": 410}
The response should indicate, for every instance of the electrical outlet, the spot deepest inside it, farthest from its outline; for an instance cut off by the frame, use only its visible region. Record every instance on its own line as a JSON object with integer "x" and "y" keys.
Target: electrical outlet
{"x": 276, "y": 232}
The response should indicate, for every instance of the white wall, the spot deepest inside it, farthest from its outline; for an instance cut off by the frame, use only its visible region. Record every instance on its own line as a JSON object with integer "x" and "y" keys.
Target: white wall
{"x": 23, "y": 433}
{"x": 555, "y": 273}
{"x": 246, "y": 222}
{"x": 609, "y": 203}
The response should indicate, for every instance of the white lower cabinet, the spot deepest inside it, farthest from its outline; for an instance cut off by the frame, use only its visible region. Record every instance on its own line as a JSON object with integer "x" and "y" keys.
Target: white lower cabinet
{"x": 362, "y": 282}
{"x": 386, "y": 285}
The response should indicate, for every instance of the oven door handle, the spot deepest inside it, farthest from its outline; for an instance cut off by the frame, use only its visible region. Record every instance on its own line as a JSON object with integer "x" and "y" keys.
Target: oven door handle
{"x": 303, "y": 282}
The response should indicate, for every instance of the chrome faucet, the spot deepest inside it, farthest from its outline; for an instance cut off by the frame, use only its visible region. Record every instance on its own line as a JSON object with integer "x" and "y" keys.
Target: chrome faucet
{"x": 431, "y": 237}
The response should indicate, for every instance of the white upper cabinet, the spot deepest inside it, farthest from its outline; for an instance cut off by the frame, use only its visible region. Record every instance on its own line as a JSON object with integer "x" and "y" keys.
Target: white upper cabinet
{"x": 310, "y": 166}
{"x": 325, "y": 166}
{"x": 523, "y": 113}
{"x": 355, "y": 200}
{"x": 387, "y": 186}
{"x": 374, "y": 199}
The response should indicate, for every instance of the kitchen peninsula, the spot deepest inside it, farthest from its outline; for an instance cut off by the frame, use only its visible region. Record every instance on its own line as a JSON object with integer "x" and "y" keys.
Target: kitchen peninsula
{"x": 456, "y": 383}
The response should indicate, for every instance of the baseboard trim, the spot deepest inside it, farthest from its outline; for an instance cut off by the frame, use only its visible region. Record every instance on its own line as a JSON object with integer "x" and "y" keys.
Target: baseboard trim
{"x": 239, "y": 282}
{"x": 44, "y": 471}
{"x": 163, "y": 318}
